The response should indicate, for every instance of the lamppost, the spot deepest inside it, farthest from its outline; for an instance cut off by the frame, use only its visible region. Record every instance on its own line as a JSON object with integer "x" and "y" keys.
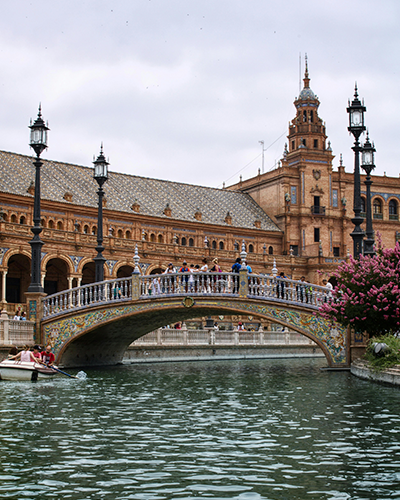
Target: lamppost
{"x": 101, "y": 176}
{"x": 356, "y": 112}
{"x": 368, "y": 165}
{"x": 38, "y": 142}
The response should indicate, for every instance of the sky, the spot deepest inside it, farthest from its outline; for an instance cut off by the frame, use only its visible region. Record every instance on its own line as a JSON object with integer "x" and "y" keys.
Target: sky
{"x": 184, "y": 90}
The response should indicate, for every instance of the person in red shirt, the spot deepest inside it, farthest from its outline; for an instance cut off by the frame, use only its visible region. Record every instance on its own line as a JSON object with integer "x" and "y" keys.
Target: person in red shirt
{"x": 47, "y": 356}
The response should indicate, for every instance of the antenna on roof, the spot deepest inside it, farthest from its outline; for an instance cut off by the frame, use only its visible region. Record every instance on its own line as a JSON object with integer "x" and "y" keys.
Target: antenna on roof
{"x": 299, "y": 72}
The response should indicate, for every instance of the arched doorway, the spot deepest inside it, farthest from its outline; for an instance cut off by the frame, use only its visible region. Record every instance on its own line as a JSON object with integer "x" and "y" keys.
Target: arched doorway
{"x": 157, "y": 270}
{"x": 124, "y": 272}
{"x": 18, "y": 278}
{"x": 56, "y": 276}
{"x": 88, "y": 273}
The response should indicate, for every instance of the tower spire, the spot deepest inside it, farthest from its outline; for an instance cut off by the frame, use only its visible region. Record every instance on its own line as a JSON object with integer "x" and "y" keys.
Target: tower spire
{"x": 306, "y": 79}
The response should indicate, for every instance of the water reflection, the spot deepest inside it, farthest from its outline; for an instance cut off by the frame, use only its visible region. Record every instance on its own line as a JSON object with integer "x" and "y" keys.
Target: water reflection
{"x": 247, "y": 430}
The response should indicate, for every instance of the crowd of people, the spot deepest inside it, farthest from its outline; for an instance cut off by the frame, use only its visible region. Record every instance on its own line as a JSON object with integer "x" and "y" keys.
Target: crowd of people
{"x": 192, "y": 283}
{"x": 19, "y": 315}
{"x": 45, "y": 357}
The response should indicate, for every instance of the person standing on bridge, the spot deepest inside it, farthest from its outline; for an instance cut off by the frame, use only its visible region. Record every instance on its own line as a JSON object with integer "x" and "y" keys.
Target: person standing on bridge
{"x": 235, "y": 269}
{"x": 281, "y": 286}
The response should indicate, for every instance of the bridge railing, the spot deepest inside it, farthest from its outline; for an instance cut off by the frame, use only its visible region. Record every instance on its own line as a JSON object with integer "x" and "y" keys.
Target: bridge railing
{"x": 157, "y": 285}
{"x": 287, "y": 290}
{"x": 189, "y": 283}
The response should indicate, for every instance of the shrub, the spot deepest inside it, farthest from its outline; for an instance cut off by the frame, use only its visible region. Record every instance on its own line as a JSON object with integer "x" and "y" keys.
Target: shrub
{"x": 390, "y": 357}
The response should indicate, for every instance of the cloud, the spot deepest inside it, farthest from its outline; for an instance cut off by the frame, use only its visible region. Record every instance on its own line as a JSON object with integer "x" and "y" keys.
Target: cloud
{"x": 186, "y": 90}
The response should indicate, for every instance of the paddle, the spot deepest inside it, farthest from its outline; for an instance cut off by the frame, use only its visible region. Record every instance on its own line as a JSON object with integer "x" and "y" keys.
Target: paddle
{"x": 60, "y": 371}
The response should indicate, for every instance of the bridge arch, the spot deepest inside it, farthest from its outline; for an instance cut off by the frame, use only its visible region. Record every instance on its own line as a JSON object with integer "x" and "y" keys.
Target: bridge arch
{"x": 100, "y": 335}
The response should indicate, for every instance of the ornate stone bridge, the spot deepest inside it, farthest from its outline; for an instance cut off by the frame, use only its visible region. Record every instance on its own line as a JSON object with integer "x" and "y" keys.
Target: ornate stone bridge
{"x": 94, "y": 324}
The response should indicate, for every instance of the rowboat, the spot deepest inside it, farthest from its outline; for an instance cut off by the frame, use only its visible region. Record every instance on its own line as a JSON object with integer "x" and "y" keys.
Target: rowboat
{"x": 24, "y": 370}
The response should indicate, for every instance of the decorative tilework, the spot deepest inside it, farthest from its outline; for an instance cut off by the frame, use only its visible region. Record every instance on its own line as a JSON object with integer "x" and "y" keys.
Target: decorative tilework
{"x": 2, "y": 253}
{"x": 75, "y": 259}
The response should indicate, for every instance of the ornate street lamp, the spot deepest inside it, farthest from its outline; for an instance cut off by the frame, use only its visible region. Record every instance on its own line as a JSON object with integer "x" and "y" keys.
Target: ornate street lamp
{"x": 101, "y": 176}
{"x": 356, "y": 126}
{"x": 38, "y": 142}
{"x": 367, "y": 154}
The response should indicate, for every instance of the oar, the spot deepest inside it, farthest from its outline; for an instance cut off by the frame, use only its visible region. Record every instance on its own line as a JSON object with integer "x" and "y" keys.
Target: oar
{"x": 60, "y": 371}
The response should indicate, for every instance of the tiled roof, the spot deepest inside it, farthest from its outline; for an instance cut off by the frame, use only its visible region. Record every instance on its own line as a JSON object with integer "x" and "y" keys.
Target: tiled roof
{"x": 122, "y": 190}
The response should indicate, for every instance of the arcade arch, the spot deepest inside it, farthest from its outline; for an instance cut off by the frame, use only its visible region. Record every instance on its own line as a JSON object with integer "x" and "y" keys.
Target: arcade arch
{"x": 18, "y": 277}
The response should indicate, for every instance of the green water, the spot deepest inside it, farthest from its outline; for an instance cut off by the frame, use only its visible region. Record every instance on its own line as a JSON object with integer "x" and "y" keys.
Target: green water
{"x": 246, "y": 430}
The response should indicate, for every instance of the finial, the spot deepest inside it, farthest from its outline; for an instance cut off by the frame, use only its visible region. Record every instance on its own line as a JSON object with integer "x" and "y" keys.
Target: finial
{"x": 341, "y": 160}
{"x": 243, "y": 255}
{"x": 136, "y": 259}
{"x": 274, "y": 269}
{"x": 306, "y": 79}
{"x": 40, "y": 110}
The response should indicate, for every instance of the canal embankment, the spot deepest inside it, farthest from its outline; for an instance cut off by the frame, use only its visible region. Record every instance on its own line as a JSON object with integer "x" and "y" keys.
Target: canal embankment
{"x": 360, "y": 369}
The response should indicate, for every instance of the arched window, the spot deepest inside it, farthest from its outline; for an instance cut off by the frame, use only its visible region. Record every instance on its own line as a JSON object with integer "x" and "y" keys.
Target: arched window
{"x": 60, "y": 225}
{"x": 14, "y": 218}
{"x": 42, "y": 222}
{"x": 251, "y": 248}
{"x": 393, "y": 210}
{"x": 120, "y": 234}
{"x": 183, "y": 241}
{"x": 128, "y": 235}
{"x": 86, "y": 229}
{"x": 22, "y": 220}
{"x": 214, "y": 245}
{"x": 221, "y": 245}
{"x": 191, "y": 242}
{"x": 153, "y": 237}
{"x": 377, "y": 209}
{"x": 236, "y": 246}
{"x": 94, "y": 230}
{"x": 271, "y": 250}
{"x": 51, "y": 224}
{"x": 160, "y": 238}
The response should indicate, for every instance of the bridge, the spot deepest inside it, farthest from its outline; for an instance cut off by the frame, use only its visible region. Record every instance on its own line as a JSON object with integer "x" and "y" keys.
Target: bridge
{"x": 94, "y": 324}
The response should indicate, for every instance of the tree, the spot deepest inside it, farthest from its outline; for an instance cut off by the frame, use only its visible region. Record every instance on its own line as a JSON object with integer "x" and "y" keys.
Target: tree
{"x": 367, "y": 295}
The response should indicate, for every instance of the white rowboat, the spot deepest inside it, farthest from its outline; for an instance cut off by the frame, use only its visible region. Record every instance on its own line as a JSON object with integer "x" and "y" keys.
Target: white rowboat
{"x": 24, "y": 370}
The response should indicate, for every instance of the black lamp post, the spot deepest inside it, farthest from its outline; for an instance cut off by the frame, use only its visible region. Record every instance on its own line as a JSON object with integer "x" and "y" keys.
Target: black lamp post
{"x": 38, "y": 143}
{"x": 368, "y": 165}
{"x": 101, "y": 176}
{"x": 356, "y": 112}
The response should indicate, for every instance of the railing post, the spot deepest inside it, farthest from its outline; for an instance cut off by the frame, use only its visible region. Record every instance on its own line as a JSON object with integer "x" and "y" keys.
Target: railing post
{"x": 35, "y": 311}
{"x": 6, "y": 327}
{"x": 243, "y": 283}
{"x": 135, "y": 286}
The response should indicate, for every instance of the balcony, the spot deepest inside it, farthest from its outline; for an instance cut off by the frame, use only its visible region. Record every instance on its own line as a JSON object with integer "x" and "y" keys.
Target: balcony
{"x": 317, "y": 210}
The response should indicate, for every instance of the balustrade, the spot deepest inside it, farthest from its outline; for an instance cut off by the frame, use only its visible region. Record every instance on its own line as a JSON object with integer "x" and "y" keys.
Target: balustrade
{"x": 170, "y": 336}
{"x": 266, "y": 287}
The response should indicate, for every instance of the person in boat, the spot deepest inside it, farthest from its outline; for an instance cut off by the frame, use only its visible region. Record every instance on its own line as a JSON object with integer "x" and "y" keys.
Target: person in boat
{"x": 12, "y": 352}
{"x": 48, "y": 357}
{"x": 26, "y": 355}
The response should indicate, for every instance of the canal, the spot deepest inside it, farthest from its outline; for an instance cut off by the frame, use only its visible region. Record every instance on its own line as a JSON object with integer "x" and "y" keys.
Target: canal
{"x": 245, "y": 430}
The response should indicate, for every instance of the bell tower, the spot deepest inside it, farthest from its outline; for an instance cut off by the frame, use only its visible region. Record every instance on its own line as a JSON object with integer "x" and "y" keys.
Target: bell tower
{"x": 307, "y": 129}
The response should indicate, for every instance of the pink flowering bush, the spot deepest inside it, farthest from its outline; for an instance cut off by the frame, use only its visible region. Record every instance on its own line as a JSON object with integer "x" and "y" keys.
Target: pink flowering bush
{"x": 367, "y": 296}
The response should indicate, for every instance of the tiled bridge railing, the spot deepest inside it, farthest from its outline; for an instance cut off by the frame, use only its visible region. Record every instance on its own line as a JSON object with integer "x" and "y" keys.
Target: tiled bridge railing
{"x": 155, "y": 286}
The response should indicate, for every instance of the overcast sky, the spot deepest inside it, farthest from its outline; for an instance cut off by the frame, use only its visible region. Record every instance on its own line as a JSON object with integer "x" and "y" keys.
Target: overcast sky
{"x": 185, "y": 89}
